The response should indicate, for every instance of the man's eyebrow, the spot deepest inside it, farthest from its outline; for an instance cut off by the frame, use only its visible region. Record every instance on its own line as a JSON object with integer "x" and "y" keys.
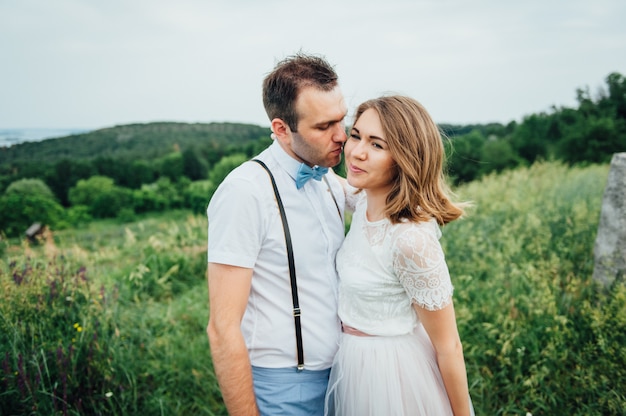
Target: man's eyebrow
{"x": 328, "y": 122}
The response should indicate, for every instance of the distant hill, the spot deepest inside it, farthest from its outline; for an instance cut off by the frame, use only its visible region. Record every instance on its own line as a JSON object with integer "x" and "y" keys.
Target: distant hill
{"x": 134, "y": 141}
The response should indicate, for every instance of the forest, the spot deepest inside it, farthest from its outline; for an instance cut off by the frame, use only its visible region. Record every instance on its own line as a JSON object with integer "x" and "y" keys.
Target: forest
{"x": 129, "y": 170}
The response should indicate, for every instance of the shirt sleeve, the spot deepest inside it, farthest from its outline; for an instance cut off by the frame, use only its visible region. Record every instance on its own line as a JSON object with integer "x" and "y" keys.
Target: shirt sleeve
{"x": 235, "y": 232}
{"x": 420, "y": 265}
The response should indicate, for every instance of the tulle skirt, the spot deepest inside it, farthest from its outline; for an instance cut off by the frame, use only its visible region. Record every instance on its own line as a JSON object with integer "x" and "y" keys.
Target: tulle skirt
{"x": 386, "y": 376}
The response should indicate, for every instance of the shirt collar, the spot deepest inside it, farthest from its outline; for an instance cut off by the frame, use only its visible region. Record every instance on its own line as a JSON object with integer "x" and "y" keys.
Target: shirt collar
{"x": 288, "y": 163}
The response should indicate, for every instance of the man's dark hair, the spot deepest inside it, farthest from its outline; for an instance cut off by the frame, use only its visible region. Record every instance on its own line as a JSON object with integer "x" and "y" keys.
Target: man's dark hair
{"x": 282, "y": 86}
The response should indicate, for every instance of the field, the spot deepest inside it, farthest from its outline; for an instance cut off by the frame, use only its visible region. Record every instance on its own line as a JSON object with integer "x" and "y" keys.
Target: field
{"x": 110, "y": 319}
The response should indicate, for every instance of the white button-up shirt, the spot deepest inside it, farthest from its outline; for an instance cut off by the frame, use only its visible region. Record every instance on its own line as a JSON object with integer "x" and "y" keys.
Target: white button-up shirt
{"x": 245, "y": 230}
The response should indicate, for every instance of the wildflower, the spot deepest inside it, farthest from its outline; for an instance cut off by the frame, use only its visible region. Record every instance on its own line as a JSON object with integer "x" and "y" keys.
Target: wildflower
{"x": 108, "y": 394}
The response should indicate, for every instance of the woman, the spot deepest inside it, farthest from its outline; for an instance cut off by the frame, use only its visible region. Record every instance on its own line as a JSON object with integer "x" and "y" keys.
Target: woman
{"x": 400, "y": 351}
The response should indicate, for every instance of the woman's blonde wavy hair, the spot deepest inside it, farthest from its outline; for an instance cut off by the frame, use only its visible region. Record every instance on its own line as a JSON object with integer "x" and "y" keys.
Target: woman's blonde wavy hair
{"x": 419, "y": 191}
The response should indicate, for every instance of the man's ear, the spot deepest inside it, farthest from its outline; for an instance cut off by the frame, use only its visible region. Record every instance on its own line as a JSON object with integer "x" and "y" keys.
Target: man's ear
{"x": 280, "y": 129}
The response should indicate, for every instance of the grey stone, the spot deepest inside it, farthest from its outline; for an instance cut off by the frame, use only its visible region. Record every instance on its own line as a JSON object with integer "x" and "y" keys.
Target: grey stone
{"x": 610, "y": 247}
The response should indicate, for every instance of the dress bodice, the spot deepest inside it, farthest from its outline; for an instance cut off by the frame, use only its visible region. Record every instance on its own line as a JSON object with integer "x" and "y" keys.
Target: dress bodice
{"x": 384, "y": 268}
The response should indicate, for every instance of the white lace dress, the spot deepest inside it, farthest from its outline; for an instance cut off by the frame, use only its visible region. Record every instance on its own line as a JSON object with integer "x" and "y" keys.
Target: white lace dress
{"x": 384, "y": 268}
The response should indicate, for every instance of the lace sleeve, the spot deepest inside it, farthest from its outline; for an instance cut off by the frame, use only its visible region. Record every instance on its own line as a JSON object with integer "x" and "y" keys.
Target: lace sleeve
{"x": 419, "y": 262}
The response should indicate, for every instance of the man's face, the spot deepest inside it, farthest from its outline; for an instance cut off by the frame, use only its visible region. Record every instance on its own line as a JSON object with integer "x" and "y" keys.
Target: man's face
{"x": 321, "y": 127}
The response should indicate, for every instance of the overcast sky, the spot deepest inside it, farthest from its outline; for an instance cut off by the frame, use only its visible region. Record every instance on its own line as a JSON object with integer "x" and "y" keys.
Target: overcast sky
{"x": 91, "y": 63}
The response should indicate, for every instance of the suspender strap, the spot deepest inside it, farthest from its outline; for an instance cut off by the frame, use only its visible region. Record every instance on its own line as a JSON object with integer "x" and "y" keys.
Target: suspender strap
{"x": 334, "y": 199}
{"x": 292, "y": 268}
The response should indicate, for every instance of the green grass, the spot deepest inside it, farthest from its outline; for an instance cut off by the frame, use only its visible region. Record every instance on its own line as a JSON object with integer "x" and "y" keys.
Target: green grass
{"x": 110, "y": 318}
{"x": 538, "y": 334}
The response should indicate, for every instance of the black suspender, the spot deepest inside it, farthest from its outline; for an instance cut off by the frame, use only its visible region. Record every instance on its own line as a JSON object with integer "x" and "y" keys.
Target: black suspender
{"x": 292, "y": 268}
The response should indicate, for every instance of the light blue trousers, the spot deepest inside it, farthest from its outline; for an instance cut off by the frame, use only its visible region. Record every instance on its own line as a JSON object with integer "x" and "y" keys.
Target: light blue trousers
{"x": 286, "y": 391}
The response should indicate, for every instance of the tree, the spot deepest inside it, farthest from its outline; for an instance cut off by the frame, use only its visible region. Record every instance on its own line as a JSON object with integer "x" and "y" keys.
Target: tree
{"x": 198, "y": 194}
{"x": 613, "y": 101}
{"x": 225, "y": 166}
{"x": 159, "y": 196}
{"x": 25, "y": 202}
{"x": 497, "y": 155}
{"x": 65, "y": 174}
{"x": 464, "y": 156}
{"x": 103, "y": 198}
{"x": 171, "y": 166}
{"x": 593, "y": 140}
{"x": 530, "y": 138}
{"x": 194, "y": 167}
{"x": 27, "y": 186}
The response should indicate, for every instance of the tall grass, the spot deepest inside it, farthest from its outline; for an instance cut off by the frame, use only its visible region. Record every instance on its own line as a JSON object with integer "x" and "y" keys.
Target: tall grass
{"x": 539, "y": 335}
{"x": 108, "y": 320}
{"x": 111, "y": 319}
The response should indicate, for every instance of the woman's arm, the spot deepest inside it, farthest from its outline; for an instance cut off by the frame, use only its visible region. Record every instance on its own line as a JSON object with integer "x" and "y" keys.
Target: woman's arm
{"x": 442, "y": 330}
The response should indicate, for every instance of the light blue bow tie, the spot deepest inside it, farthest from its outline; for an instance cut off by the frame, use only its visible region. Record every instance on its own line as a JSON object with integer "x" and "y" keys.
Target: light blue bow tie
{"x": 305, "y": 173}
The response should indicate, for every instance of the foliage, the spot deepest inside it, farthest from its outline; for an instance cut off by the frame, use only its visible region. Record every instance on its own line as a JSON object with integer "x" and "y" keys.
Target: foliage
{"x": 539, "y": 336}
{"x": 591, "y": 133}
{"x": 56, "y": 332}
{"x": 225, "y": 166}
{"x": 29, "y": 186}
{"x": 65, "y": 174}
{"x": 102, "y": 197}
{"x": 159, "y": 196}
{"x": 28, "y": 201}
{"x": 148, "y": 141}
{"x": 171, "y": 166}
{"x": 108, "y": 319}
{"x": 129, "y": 174}
{"x": 138, "y": 156}
{"x": 194, "y": 167}
{"x": 78, "y": 216}
{"x": 497, "y": 155}
{"x": 197, "y": 196}
{"x": 464, "y": 156}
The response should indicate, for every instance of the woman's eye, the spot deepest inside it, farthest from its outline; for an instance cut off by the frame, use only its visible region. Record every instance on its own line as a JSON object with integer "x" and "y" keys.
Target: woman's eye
{"x": 355, "y": 137}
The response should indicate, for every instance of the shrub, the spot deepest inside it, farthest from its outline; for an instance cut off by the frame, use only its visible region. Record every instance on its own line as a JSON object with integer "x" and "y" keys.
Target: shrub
{"x": 30, "y": 187}
{"x": 197, "y": 196}
{"x": 225, "y": 166}
{"x": 159, "y": 196}
{"x": 103, "y": 198}
{"x": 25, "y": 202}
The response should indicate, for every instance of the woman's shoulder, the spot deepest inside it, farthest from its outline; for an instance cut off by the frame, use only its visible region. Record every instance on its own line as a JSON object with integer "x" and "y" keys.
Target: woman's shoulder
{"x": 407, "y": 228}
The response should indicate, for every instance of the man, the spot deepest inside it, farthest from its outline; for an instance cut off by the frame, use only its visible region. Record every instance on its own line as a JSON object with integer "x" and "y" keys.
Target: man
{"x": 251, "y": 326}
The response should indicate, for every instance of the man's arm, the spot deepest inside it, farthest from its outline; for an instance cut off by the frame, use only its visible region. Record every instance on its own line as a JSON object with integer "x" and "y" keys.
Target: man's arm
{"x": 229, "y": 288}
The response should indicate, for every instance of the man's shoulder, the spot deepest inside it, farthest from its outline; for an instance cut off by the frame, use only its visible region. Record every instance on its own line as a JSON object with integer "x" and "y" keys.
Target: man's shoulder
{"x": 247, "y": 181}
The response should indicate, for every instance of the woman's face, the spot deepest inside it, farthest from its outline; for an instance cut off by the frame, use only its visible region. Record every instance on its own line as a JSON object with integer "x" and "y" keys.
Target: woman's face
{"x": 369, "y": 164}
